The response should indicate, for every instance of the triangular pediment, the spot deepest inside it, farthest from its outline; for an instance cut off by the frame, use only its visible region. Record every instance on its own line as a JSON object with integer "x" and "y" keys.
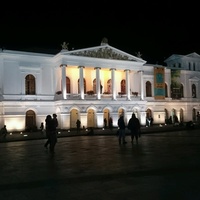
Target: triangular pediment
{"x": 177, "y": 56}
{"x": 193, "y": 55}
{"x": 173, "y": 57}
{"x": 104, "y": 52}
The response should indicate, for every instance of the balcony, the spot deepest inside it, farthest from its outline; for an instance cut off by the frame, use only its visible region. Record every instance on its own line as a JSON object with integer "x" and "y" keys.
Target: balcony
{"x": 90, "y": 95}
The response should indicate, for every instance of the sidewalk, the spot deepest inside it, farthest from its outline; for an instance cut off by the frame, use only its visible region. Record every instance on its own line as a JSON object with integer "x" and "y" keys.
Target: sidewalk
{"x": 161, "y": 166}
{"x": 22, "y": 136}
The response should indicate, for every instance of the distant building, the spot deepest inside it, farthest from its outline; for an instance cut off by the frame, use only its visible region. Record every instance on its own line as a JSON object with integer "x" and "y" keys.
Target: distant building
{"x": 95, "y": 83}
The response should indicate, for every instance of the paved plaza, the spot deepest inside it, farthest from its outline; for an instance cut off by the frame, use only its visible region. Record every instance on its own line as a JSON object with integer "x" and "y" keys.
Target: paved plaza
{"x": 163, "y": 165}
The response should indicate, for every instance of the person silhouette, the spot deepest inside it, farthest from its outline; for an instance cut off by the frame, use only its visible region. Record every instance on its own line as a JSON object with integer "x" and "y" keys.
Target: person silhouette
{"x": 4, "y": 131}
{"x": 122, "y": 127}
{"x": 42, "y": 127}
{"x": 110, "y": 123}
{"x": 53, "y": 133}
{"x": 105, "y": 123}
{"x": 134, "y": 127}
{"x": 78, "y": 125}
{"x": 48, "y": 130}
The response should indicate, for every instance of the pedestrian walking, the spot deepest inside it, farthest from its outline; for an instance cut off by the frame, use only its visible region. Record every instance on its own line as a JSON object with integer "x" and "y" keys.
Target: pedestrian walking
{"x": 42, "y": 128}
{"x": 134, "y": 127}
{"x": 53, "y": 133}
{"x": 110, "y": 123}
{"x": 48, "y": 130}
{"x": 4, "y": 132}
{"x": 78, "y": 125}
{"x": 122, "y": 127}
{"x": 105, "y": 123}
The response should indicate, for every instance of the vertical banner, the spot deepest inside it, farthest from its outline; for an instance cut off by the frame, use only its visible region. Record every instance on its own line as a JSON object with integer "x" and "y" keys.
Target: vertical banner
{"x": 159, "y": 83}
{"x": 175, "y": 84}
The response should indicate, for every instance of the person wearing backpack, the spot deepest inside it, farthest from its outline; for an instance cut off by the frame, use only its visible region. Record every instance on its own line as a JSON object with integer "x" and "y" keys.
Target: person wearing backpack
{"x": 134, "y": 127}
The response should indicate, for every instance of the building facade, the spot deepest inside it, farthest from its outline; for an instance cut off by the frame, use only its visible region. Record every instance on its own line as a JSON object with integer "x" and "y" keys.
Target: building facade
{"x": 95, "y": 83}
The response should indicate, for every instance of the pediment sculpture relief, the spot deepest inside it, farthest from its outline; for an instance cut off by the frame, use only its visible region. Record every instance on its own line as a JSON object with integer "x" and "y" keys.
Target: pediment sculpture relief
{"x": 103, "y": 53}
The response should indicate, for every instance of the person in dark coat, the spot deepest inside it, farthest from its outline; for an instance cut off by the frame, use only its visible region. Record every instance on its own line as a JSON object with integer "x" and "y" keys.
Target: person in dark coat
{"x": 110, "y": 123}
{"x": 4, "y": 131}
{"x": 122, "y": 127}
{"x": 42, "y": 127}
{"x": 78, "y": 125}
{"x": 105, "y": 123}
{"x": 48, "y": 129}
{"x": 134, "y": 127}
{"x": 53, "y": 133}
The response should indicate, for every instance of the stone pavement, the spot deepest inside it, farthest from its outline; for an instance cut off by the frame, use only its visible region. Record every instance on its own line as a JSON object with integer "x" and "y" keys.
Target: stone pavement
{"x": 163, "y": 165}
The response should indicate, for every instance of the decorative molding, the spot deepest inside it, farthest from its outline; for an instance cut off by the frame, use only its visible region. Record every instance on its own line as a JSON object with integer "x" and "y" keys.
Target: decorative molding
{"x": 103, "y": 52}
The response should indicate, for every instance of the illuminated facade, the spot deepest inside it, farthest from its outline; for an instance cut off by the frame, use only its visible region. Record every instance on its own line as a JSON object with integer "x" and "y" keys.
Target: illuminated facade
{"x": 95, "y": 83}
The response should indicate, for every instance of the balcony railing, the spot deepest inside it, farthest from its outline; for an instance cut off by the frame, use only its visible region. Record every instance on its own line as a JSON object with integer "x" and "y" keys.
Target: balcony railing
{"x": 93, "y": 96}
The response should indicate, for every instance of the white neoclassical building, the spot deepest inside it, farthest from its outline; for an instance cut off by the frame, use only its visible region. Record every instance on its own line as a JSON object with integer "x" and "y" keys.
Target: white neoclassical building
{"x": 95, "y": 83}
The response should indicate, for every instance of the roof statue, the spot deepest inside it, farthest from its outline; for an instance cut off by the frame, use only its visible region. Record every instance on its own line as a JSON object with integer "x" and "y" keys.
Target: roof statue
{"x": 104, "y": 41}
{"x": 138, "y": 54}
{"x": 64, "y": 45}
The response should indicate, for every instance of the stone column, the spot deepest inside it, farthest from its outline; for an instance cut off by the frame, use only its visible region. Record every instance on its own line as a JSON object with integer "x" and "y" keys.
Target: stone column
{"x": 113, "y": 83}
{"x": 98, "y": 82}
{"x": 128, "y": 97}
{"x": 141, "y": 85}
{"x": 81, "y": 82}
{"x": 64, "y": 89}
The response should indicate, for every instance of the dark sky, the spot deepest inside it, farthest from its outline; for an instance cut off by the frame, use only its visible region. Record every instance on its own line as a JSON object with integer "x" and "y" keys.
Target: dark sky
{"x": 155, "y": 29}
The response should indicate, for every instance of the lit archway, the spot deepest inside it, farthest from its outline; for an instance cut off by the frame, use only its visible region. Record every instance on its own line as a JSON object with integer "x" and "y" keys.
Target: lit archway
{"x": 74, "y": 115}
{"x": 91, "y": 118}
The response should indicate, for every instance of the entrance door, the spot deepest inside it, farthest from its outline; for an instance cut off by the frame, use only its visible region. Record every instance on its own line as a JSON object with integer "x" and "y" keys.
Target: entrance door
{"x": 91, "y": 118}
{"x": 73, "y": 118}
{"x": 30, "y": 120}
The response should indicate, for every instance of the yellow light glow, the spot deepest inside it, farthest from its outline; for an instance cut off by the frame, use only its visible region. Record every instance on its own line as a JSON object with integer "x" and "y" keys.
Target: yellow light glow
{"x": 15, "y": 123}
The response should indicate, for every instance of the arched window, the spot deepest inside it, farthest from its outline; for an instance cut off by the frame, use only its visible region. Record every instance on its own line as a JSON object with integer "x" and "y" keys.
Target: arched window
{"x": 194, "y": 67}
{"x": 189, "y": 66}
{"x": 109, "y": 86}
{"x": 148, "y": 89}
{"x": 30, "y": 84}
{"x": 174, "y": 116}
{"x": 193, "y": 114}
{"x": 84, "y": 82}
{"x": 123, "y": 86}
{"x": 181, "y": 115}
{"x": 181, "y": 90}
{"x": 68, "y": 85}
{"x": 94, "y": 86}
{"x": 194, "y": 91}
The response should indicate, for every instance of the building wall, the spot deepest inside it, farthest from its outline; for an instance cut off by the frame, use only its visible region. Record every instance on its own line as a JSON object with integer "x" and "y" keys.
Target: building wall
{"x": 14, "y": 103}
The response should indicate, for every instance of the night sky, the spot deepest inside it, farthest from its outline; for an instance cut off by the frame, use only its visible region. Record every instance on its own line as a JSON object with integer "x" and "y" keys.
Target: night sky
{"x": 156, "y": 30}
